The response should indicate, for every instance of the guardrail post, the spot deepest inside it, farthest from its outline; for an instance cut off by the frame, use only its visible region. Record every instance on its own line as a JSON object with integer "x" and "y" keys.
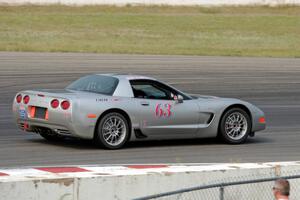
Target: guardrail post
{"x": 221, "y": 193}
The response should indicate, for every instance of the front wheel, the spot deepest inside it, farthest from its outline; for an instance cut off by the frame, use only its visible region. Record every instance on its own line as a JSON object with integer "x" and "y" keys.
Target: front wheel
{"x": 235, "y": 126}
{"x": 112, "y": 131}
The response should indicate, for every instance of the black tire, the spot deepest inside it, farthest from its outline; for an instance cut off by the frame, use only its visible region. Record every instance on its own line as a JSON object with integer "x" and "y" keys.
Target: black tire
{"x": 52, "y": 137}
{"x": 225, "y": 133}
{"x": 100, "y": 131}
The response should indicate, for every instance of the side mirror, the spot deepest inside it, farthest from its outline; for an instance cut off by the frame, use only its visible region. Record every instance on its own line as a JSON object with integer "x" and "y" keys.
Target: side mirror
{"x": 178, "y": 99}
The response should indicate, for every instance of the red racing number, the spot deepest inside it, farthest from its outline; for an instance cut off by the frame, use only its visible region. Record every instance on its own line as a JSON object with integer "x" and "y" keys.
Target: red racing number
{"x": 163, "y": 110}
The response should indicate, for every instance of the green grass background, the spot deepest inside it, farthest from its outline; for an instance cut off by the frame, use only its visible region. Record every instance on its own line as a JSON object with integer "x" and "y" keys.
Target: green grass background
{"x": 226, "y": 31}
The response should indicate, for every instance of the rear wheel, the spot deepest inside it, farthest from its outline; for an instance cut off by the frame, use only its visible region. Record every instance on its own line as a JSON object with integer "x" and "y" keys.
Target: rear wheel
{"x": 112, "y": 131}
{"x": 235, "y": 126}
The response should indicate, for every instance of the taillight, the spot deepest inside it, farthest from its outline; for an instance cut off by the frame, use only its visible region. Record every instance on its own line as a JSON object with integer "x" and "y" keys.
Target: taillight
{"x": 65, "y": 105}
{"x": 19, "y": 98}
{"x": 26, "y": 99}
{"x": 54, "y": 103}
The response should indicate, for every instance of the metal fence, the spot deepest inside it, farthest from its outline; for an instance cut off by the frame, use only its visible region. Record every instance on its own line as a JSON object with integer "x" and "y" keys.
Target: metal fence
{"x": 255, "y": 189}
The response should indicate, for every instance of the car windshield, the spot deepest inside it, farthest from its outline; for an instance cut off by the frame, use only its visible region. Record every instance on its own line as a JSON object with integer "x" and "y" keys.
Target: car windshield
{"x": 96, "y": 84}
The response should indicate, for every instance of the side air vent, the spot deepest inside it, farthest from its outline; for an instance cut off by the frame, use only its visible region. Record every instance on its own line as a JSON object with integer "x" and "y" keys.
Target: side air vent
{"x": 210, "y": 118}
{"x": 138, "y": 134}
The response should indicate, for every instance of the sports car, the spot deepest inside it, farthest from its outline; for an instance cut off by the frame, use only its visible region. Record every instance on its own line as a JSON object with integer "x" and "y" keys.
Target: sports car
{"x": 113, "y": 109}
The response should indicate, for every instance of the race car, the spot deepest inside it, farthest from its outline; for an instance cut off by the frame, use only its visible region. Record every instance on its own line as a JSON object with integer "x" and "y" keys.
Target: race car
{"x": 113, "y": 109}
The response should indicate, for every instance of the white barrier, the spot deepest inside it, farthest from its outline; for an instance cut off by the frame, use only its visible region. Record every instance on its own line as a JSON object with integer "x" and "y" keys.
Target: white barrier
{"x": 127, "y": 182}
{"x": 155, "y": 2}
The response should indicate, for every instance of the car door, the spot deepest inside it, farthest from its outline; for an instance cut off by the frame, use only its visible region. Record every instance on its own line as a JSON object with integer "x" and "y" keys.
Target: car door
{"x": 160, "y": 115}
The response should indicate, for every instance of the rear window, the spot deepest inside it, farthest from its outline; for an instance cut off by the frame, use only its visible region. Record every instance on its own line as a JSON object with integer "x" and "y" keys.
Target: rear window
{"x": 96, "y": 84}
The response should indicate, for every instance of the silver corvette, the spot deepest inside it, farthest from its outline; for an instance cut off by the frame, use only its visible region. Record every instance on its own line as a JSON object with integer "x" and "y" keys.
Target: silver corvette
{"x": 113, "y": 109}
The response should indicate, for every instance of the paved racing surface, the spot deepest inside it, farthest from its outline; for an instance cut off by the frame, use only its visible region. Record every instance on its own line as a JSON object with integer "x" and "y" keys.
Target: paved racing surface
{"x": 272, "y": 84}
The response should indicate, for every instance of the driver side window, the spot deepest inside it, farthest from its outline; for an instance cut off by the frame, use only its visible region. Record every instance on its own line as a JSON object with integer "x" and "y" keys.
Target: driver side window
{"x": 148, "y": 89}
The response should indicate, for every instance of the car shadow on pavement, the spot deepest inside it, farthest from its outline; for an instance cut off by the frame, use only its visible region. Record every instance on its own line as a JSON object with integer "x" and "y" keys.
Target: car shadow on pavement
{"x": 192, "y": 142}
{"x": 68, "y": 143}
{"x": 89, "y": 144}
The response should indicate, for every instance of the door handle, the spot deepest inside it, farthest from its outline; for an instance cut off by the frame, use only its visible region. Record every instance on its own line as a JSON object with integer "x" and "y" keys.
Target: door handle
{"x": 144, "y": 103}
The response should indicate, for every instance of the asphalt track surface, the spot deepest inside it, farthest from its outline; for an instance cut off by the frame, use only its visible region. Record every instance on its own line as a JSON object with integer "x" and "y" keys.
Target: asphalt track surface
{"x": 273, "y": 84}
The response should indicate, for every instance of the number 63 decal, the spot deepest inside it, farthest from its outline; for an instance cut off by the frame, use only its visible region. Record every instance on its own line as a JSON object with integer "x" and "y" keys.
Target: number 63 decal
{"x": 163, "y": 110}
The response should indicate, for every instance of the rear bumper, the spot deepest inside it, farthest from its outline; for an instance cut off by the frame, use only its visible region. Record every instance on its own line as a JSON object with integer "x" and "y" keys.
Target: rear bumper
{"x": 63, "y": 129}
{"x": 59, "y": 125}
{"x": 71, "y": 122}
{"x": 58, "y": 122}
{"x": 38, "y": 127}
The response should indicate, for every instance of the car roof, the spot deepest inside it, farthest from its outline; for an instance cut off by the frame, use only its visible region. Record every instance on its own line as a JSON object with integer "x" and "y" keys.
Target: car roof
{"x": 128, "y": 76}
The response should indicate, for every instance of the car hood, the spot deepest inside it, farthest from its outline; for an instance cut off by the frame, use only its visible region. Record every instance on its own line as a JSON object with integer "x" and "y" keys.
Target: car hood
{"x": 202, "y": 97}
{"x": 206, "y": 97}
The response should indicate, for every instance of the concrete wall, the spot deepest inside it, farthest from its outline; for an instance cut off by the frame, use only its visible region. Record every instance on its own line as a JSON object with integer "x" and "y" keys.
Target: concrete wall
{"x": 156, "y": 2}
{"x": 128, "y": 182}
